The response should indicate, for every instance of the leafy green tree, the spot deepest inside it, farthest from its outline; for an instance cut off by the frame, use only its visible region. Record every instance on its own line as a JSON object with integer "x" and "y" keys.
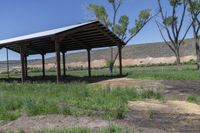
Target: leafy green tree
{"x": 194, "y": 9}
{"x": 120, "y": 27}
{"x": 100, "y": 13}
{"x": 172, "y": 26}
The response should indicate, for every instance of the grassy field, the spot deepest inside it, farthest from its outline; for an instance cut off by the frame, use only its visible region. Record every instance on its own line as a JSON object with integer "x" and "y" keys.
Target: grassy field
{"x": 170, "y": 72}
{"x": 81, "y": 99}
{"x": 187, "y": 72}
{"x": 77, "y": 99}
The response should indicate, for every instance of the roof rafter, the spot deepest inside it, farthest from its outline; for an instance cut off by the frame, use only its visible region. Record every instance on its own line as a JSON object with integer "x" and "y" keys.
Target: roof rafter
{"x": 76, "y": 37}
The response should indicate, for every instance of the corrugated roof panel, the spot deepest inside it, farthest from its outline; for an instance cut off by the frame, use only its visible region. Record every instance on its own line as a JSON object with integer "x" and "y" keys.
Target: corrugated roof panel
{"x": 43, "y": 34}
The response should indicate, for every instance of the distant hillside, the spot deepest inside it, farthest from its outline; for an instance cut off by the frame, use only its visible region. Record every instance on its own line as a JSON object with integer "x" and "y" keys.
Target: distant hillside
{"x": 154, "y": 50}
{"x": 14, "y": 63}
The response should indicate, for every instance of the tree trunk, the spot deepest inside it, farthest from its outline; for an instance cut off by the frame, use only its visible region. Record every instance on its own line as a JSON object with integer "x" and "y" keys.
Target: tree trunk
{"x": 111, "y": 69}
{"x": 111, "y": 49}
{"x": 111, "y": 60}
{"x": 198, "y": 53}
{"x": 178, "y": 59}
{"x": 197, "y": 45}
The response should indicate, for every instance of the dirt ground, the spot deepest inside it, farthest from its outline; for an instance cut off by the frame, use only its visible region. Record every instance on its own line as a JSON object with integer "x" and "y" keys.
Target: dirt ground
{"x": 149, "y": 116}
{"x": 172, "y": 116}
{"x": 38, "y": 123}
{"x": 170, "y": 89}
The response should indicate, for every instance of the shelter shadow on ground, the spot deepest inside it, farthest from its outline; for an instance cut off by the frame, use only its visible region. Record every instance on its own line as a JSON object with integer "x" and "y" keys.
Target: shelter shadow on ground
{"x": 63, "y": 79}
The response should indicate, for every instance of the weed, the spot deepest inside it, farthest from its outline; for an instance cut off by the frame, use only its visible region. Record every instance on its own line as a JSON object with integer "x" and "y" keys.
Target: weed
{"x": 192, "y": 99}
{"x": 151, "y": 114}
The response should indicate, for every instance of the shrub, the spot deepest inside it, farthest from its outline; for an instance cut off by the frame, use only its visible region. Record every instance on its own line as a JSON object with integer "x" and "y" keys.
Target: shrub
{"x": 192, "y": 99}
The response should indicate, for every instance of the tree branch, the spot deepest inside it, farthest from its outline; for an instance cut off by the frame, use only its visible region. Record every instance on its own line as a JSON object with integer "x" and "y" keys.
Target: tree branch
{"x": 185, "y": 34}
{"x": 150, "y": 18}
{"x": 173, "y": 21}
{"x": 166, "y": 42}
{"x": 163, "y": 18}
{"x": 183, "y": 16}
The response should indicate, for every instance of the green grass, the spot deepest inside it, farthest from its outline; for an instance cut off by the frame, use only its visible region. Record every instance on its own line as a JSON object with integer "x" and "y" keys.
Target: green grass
{"x": 77, "y": 99}
{"x": 165, "y": 72}
{"x": 187, "y": 72}
{"x": 168, "y": 72}
{"x": 193, "y": 99}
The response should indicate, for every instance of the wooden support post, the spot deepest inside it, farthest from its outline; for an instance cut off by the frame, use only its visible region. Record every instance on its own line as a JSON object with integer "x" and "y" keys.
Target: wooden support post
{"x": 43, "y": 65}
{"x": 120, "y": 59}
{"x": 22, "y": 55}
{"x": 8, "y": 71}
{"x": 26, "y": 66}
{"x": 89, "y": 63}
{"x": 57, "y": 49}
{"x": 64, "y": 66}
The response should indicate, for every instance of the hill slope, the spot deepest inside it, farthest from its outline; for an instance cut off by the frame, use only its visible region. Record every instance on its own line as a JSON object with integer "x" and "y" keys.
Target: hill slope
{"x": 153, "y": 50}
{"x": 141, "y": 51}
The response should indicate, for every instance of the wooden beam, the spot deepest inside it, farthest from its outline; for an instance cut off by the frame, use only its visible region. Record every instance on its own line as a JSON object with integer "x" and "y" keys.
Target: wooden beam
{"x": 91, "y": 37}
{"x": 8, "y": 71}
{"x": 22, "y": 55}
{"x": 103, "y": 42}
{"x": 64, "y": 66}
{"x": 77, "y": 42}
{"x": 43, "y": 65}
{"x": 57, "y": 49}
{"x": 120, "y": 59}
{"x": 88, "y": 33}
{"x": 26, "y": 66}
{"x": 14, "y": 50}
{"x": 30, "y": 46}
{"x": 89, "y": 62}
{"x": 107, "y": 35}
{"x": 62, "y": 36}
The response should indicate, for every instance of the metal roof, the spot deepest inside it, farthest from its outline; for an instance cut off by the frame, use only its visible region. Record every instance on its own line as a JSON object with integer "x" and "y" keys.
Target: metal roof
{"x": 75, "y": 37}
{"x": 41, "y": 34}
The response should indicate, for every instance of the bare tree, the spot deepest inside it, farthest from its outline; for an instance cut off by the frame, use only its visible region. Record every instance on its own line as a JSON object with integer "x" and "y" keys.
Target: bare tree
{"x": 194, "y": 9}
{"x": 173, "y": 26}
{"x": 120, "y": 28}
{"x": 143, "y": 18}
{"x": 115, "y": 5}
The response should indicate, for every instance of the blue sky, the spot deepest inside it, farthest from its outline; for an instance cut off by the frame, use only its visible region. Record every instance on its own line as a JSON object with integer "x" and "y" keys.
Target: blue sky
{"x": 20, "y": 17}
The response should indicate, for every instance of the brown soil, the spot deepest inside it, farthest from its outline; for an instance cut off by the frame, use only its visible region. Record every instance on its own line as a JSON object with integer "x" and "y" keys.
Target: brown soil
{"x": 150, "y": 120}
{"x": 171, "y": 116}
{"x": 38, "y": 123}
{"x": 176, "y": 107}
{"x": 170, "y": 89}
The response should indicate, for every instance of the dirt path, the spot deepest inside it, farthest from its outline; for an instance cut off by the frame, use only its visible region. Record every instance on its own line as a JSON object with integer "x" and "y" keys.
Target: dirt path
{"x": 38, "y": 123}
{"x": 171, "y": 116}
{"x": 170, "y": 89}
